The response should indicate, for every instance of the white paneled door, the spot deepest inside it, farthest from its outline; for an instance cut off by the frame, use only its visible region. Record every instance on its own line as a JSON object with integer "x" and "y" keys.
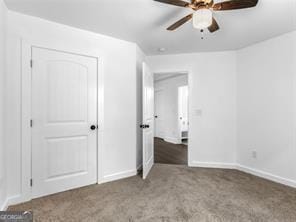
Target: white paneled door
{"x": 159, "y": 114}
{"x": 64, "y": 121}
{"x": 148, "y": 120}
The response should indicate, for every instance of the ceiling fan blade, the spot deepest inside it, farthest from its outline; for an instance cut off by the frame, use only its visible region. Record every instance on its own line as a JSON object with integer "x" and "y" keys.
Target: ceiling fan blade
{"x": 180, "y": 22}
{"x": 214, "y": 27}
{"x": 174, "y": 2}
{"x": 234, "y": 4}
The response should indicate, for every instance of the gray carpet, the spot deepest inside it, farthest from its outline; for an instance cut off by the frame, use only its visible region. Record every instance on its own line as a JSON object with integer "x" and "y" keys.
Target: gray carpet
{"x": 172, "y": 193}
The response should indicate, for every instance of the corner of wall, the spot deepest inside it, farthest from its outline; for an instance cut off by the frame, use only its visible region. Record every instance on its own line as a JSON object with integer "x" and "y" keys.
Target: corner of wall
{"x": 236, "y": 107}
{"x": 265, "y": 72}
{"x": 3, "y": 175}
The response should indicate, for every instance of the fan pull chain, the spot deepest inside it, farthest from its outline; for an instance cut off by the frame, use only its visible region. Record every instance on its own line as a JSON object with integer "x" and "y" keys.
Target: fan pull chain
{"x": 202, "y": 34}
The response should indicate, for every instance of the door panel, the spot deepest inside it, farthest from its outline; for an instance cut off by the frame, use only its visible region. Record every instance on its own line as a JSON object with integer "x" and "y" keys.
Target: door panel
{"x": 148, "y": 120}
{"x": 64, "y": 106}
{"x": 72, "y": 156}
{"x": 159, "y": 114}
{"x": 66, "y": 81}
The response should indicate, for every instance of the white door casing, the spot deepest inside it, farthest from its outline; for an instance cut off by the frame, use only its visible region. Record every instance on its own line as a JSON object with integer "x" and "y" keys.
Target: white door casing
{"x": 64, "y": 106}
{"x": 148, "y": 120}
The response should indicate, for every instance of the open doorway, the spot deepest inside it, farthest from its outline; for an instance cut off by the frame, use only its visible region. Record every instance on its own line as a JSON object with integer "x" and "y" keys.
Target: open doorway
{"x": 171, "y": 118}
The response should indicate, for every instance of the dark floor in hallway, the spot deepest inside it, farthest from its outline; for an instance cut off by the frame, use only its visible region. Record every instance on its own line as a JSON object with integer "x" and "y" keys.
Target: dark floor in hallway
{"x": 169, "y": 153}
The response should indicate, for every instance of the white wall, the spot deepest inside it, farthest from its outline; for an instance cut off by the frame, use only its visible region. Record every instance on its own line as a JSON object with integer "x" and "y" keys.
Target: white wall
{"x": 3, "y": 12}
{"x": 117, "y": 61}
{"x": 169, "y": 90}
{"x": 212, "y": 89}
{"x": 266, "y": 105}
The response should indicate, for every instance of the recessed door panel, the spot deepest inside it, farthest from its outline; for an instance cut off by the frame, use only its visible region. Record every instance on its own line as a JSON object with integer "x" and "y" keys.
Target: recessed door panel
{"x": 67, "y": 91}
{"x": 66, "y": 156}
{"x": 148, "y": 143}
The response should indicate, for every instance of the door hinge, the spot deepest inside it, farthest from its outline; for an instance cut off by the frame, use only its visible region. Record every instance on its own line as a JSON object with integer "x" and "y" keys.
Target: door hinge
{"x": 31, "y": 182}
{"x": 31, "y": 123}
{"x": 31, "y": 63}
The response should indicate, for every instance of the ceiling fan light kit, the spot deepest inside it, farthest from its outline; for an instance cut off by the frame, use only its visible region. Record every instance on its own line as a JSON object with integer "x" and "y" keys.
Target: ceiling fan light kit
{"x": 203, "y": 16}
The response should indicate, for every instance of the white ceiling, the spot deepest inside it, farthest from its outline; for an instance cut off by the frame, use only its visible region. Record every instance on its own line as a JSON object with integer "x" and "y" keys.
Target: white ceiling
{"x": 145, "y": 22}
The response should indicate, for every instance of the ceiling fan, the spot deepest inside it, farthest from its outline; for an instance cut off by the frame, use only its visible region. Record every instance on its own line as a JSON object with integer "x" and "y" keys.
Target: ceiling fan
{"x": 203, "y": 15}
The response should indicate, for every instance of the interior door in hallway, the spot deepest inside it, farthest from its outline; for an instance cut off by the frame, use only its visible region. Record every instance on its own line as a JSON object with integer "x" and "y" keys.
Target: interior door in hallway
{"x": 159, "y": 114}
{"x": 64, "y": 115}
{"x": 148, "y": 120}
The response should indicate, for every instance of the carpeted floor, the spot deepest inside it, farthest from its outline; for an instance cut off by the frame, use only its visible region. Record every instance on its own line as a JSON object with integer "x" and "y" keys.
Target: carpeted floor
{"x": 172, "y": 193}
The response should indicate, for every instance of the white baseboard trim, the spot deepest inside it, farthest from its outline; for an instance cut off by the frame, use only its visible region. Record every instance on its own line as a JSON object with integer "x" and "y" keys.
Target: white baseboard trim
{"x": 120, "y": 175}
{"x": 17, "y": 199}
{"x": 212, "y": 165}
{"x": 172, "y": 140}
{"x": 255, "y": 172}
{"x": 268, "y": 176}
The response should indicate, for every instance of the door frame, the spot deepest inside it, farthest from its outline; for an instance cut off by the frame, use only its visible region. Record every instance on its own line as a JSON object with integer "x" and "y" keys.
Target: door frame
{"x": 187, "y": 72}
{"x": 26, "y": 104}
